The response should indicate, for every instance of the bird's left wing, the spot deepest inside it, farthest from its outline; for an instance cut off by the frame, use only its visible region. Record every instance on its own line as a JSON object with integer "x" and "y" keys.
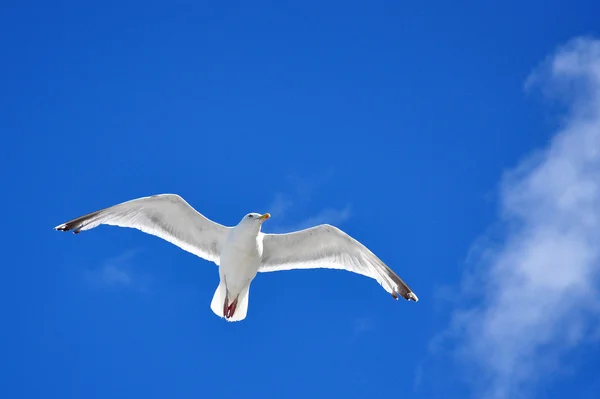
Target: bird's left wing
{"x": 167, "y": 216}
{"x": 326, "y": 246}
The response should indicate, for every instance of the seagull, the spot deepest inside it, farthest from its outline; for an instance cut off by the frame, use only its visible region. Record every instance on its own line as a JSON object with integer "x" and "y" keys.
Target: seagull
{"x": 241, "y": 251}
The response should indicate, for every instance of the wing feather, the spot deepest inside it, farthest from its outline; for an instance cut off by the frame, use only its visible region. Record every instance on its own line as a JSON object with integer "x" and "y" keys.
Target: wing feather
{"x": 326, "y": 246}
{"x": 167, "y": 216}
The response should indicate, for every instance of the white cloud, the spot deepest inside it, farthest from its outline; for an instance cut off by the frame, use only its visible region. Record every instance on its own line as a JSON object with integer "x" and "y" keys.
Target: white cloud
{"x": 534, "y": 294}
{"x": 282, "y": 208}
{"x": 280, "y": 205}
{"x": 363, "y": 324}
{"x": 328, "y": 215}
{"x": 112, "y": 275}
{"x": 118, "y": 272}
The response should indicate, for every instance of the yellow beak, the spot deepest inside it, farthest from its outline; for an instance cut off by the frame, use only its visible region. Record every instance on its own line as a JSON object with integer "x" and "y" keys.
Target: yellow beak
{"x": 264, "y": 217}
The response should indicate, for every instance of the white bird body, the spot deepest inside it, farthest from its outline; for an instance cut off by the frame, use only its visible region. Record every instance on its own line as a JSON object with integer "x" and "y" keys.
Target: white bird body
{"x": 238, "y": 265}
{"x": 242, "y": 251}
{"x": 240, "y": 261}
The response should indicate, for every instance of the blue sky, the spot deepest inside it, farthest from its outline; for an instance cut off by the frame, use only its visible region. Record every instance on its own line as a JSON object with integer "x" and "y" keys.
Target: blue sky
{"x": 457, "y": 141}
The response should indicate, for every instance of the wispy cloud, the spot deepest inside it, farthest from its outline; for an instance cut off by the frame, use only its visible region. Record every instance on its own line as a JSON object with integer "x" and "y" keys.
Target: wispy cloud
{"x": 363, "y": 324}
{"x": 328, "y": 215}
{"x": 287, "y": 208}
{"x": 118, "y": 272}
{"x": 111, "y": 274}
{"x": 532, "y": 295}
{"x": 280, "y": 205}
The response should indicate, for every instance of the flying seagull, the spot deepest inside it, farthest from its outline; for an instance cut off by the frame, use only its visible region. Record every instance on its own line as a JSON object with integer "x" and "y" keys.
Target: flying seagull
{"x": 243, "y": 250}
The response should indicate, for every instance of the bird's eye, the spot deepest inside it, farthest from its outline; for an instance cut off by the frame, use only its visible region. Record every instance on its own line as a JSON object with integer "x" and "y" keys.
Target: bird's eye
{"x": 250, "y": 216}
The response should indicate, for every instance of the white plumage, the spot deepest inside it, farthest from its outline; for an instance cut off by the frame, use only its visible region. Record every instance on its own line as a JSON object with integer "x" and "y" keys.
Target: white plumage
{"x": 243, "y": 250}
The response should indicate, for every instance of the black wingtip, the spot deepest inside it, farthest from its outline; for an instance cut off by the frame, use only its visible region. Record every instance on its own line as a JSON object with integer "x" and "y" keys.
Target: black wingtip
{"x": 77, "y": 224}
{"x": 409, "y": 296}
{"x": 68, "y": 227}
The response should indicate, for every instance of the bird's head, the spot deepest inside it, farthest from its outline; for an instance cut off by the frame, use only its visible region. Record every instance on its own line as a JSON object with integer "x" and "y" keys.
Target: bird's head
{"x": 253, "y": 221}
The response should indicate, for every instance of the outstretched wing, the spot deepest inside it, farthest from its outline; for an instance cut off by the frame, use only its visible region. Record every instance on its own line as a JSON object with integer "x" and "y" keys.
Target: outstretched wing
{"x": 167, "y": 216}
{"x": 326, "y": 246}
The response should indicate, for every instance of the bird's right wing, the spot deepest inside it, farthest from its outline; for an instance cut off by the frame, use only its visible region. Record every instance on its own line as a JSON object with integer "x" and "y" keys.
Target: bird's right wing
{"x": 326, "y": 246}
{"x": 167, "y": 216}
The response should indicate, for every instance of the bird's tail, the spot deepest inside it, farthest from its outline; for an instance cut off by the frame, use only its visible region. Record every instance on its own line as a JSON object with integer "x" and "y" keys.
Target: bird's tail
{"x": 241, "y": 307}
